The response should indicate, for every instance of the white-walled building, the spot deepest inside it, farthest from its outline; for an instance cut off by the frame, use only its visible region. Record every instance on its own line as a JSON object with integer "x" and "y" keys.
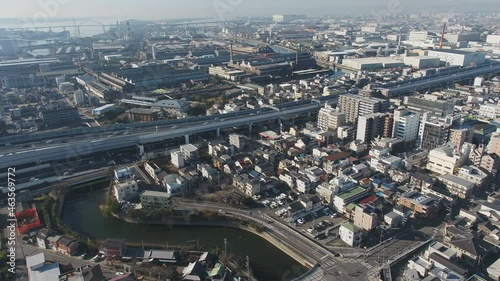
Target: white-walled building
{"x": 418, "y": 36}
{"x": 330, "y": 118}
{"x": 190, "y": 152}
{"x": 489, "y": 110}
{"x": 350, "y": 234}
{"x": 125, "y": 190}
{"x": 493, "y": 39}
{"x": 238, "y": 141}
{"x": 444, "y": 160}
{"x": 458, "y": 57}
{"x": 406, "y": 125}
{"x": 177, "y": 159}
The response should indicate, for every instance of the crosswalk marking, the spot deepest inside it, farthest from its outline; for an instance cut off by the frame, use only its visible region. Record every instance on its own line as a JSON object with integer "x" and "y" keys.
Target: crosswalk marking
{"x": 367, "y": 265}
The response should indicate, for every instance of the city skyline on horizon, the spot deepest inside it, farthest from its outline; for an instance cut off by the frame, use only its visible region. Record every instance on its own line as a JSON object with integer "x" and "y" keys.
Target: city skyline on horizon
{"x": 225, "y": 9}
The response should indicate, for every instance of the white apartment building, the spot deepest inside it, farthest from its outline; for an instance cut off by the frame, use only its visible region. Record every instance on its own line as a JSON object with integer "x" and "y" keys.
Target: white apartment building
{"x": 177, "y": 159}
{"x": 406, "y": 125}
{"x": 489, "y": 110}
{"x": 330, "y": 118}
{"x": 190, "y": 152}
{"x": 350, "y": 234}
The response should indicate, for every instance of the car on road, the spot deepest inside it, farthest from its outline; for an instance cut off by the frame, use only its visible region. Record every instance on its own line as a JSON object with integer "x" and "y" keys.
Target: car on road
{"x": 222, "y": 211}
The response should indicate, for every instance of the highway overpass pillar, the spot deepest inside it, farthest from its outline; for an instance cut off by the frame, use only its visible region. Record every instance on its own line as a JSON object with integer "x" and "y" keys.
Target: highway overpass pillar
{"x": 250, "y": 130}
{"x": 186, "y": 139}
{"x": 141, "y": 148}
{"x": 218, "y": 132}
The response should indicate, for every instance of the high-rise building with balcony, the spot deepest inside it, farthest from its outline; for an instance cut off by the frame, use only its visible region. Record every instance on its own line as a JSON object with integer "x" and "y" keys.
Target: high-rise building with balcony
{"x": 355, "y": 106}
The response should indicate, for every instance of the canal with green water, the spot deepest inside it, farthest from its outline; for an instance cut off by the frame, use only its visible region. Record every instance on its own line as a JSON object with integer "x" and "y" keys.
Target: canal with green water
{"x": 82, "y": 214}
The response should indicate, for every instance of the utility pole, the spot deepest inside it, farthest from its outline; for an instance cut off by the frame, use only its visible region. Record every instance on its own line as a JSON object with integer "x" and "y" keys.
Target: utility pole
{"x": 225, "y": 247}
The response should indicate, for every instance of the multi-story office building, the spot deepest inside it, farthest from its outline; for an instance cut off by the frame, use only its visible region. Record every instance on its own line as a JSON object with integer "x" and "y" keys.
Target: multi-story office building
{"x": 354, "y": 106}
{"x": 433, "y": 132}
{"x": 330, "y": 118}
{"x": 406, "y": 125}
{"x": 371, "y": 126}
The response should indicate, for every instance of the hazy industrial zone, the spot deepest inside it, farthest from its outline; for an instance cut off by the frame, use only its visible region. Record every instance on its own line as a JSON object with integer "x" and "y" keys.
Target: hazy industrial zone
{"x": 284, "y": 147}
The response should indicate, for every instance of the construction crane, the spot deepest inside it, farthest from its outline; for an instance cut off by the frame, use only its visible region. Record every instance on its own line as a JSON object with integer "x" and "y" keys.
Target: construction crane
{"x": 442, "y": 36}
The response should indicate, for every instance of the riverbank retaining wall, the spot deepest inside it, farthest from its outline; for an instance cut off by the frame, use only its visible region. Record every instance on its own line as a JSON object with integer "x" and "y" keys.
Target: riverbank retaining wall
{"x": 287, "y": 249}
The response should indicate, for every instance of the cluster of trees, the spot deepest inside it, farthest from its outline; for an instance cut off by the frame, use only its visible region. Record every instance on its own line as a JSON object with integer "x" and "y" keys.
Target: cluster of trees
{"x": 197, "y": 110}
{"x": 4, "y": 273}
{"x": 110, "y": 207}
{"x": 50, "y": 212}
{"x": 257, "y": 227}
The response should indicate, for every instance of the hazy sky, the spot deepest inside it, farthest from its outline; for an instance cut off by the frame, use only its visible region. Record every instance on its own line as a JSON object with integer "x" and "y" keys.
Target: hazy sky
{"x": 164, "y": 9}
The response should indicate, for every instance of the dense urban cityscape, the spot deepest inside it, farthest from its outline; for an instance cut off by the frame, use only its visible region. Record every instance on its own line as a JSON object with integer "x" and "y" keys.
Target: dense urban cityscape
{"x": 278, "y": 147}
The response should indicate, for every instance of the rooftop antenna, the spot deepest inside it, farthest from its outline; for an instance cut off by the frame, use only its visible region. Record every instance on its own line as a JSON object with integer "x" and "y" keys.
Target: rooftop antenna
{"x": 442, "y": 36}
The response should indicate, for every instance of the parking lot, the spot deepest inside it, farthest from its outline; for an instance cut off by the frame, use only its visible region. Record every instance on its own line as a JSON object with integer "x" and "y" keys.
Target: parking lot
{"x": 321, "y": 225}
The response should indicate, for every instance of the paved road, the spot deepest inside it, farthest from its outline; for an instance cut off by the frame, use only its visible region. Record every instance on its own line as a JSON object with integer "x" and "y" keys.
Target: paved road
{"x": 312, "y": 252}
{"x": 29, "y": 250}
{"x": 331, "y": 268}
